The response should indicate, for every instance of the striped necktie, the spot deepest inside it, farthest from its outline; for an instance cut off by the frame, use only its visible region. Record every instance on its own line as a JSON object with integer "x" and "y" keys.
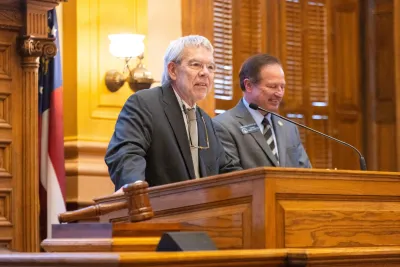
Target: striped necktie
{"x": 270, "y": 139}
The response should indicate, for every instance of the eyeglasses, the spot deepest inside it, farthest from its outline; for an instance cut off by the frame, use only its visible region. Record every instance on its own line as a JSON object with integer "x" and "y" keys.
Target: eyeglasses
{"x": 201, "y": 147}
{"x": 198, "y": 66}
{"x": 190, "y": 136}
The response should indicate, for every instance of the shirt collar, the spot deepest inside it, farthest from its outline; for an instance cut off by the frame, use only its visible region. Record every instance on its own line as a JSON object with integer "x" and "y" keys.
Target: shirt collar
{"x": 181, "y": 101}
{"x": 257, "y": 116}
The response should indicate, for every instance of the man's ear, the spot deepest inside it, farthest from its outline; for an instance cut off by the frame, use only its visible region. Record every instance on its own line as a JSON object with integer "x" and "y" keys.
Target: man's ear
{"x": 172, "y": 70}
{"x": 248, "y": 85}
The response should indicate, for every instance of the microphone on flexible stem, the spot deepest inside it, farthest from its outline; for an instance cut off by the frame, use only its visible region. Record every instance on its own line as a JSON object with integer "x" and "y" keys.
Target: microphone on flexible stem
{"x": 363, "y": 165}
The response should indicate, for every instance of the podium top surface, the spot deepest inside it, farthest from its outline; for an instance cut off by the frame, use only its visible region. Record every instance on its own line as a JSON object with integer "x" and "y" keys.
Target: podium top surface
{"x": 262, "y": 173}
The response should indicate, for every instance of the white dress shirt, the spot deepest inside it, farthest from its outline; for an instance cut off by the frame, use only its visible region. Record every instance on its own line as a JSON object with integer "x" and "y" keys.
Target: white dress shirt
{"x": 258, "y": 118}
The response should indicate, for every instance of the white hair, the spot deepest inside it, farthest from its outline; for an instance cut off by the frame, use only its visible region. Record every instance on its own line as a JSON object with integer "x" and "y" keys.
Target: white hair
{"x": 175, "y": 51}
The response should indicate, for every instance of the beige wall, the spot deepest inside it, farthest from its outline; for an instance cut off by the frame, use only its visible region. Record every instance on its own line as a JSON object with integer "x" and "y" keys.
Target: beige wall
{"x": 90, "y": 110}
{"x": 164, "y": 25}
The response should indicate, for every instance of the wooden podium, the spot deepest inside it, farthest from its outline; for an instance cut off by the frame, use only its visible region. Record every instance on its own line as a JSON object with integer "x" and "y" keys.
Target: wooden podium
{"x": 279, "y": 208}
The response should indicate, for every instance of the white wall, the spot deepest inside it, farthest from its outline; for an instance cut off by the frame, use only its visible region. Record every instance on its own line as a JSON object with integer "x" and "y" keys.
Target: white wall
{"x": 164, "y": 25}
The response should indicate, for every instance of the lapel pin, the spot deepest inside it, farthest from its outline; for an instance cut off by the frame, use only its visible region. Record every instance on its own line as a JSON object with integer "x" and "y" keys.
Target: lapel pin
{"x": 280, "y": 123}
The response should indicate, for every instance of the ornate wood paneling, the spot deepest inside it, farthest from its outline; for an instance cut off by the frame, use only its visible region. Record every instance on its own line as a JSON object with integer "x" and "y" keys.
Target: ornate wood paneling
{"x": 346, "y": 82}
{"x": 19, "y": 180}
{"x": 306, "y": 58}
{"x": 396, "y": 31}
{"x": 228, "y": 224}
{"x": 380, "y": 83}
{"x": 31, "y": 49}
{"x": 330, "y": 223}
{"x": 10, "y": 142}
{"x": 238, "y": 31}
{"x": 10, "y": 16}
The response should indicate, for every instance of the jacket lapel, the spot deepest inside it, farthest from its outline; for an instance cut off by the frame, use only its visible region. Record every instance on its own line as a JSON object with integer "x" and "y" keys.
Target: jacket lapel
{"x": 244, "y": 118}
{"x": 175, "y": 119}
{"x": 280, "y": 134}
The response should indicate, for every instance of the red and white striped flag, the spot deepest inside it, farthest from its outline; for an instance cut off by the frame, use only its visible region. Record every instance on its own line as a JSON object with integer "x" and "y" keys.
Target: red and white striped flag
{"x": 51, "y": 136}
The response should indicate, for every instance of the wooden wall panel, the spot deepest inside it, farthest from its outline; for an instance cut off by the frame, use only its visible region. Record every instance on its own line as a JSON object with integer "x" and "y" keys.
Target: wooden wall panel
{"x": 379, "y": 73}
{"x": 306, "y": 56}
{"x": 396, "y": 32}
{"x": 191, "y": 24}
{"x": 373, "y": 229}
{"x": 10, "y": 143}
{"x": 23, "y": 39}
{"x": 385, "y": 117}
{"x": 386, "y": 151}
{"x": 346, "y": 82}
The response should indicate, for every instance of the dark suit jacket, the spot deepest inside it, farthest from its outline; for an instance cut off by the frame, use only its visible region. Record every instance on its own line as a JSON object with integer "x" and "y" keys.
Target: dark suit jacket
{"x": 150, "y": 142}
{"x": 251, "y": 149}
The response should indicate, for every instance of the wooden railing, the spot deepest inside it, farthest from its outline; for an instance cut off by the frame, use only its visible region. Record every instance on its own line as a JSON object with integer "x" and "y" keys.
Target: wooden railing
{"x": 366, "y": 257}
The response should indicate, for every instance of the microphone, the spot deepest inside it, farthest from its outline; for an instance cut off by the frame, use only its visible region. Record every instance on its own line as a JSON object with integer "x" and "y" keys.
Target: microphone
{"x": 363, "y": 165}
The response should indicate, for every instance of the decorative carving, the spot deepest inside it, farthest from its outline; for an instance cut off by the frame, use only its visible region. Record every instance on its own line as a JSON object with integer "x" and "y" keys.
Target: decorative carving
{"x": 30, "y": 162}
{"x": 5, "y": 64}
{"x": 5, "y": 207}
{"x": 36, "y": 47}
{"x": 49, "y": 49}
{"x": 36, "y": 23}
{"x": 10, "y": 19}
{"x": 5, "y": 245}
{"x": 5, "y": 110}
{"x": 5, "y": 159}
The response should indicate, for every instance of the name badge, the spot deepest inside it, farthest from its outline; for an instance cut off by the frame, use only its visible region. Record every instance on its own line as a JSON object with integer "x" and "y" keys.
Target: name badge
{"x": 251, "y": 128}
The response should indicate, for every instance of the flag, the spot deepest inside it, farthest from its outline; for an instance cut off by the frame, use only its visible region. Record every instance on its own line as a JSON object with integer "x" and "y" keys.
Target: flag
{"x": 51, "y": 136}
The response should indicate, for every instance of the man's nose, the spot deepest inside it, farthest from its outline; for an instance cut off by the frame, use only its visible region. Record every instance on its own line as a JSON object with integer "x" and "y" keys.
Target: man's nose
{"x": 204, "y": 71}
{"x": 279, "y": 93}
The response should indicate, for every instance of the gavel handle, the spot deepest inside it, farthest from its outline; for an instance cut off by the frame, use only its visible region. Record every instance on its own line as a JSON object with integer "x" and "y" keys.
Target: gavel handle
{"x": 91, "y": 211}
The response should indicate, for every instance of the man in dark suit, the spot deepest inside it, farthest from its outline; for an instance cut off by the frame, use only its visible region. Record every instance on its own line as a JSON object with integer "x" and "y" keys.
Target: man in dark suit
{"x": 161, "y": 135}
{"x": 253, "y": 137}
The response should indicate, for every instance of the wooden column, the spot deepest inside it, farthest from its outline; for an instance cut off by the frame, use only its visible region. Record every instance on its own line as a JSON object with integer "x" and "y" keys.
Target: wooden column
{"x": 396, "y": 32}
{"x": 33, "y": 44}
{"x": 31, "y": 50}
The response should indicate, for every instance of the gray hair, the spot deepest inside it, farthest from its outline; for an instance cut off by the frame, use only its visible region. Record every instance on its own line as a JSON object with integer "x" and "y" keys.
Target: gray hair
{"x": 175, "y": 49}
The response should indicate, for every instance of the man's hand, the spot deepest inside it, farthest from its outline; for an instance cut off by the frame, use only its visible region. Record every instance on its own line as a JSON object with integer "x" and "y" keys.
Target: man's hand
{"x": 119, "y": 191}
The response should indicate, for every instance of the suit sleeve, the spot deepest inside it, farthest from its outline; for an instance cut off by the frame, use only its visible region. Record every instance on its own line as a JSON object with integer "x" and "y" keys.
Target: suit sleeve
{"x": 229, "y": 153}
{"x": 303, "y": 160}
{"x": 125, "y": 156}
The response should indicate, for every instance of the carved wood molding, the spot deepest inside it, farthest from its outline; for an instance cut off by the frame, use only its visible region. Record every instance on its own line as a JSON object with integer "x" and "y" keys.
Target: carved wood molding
{"x": 10, "y": 18}
{"x": 30, "y": 188}
{"x": 85, "y": 158}
{"x": 37, "y": 47}
{"x": 54, "y": 2}
{"x": 84, "y": 164}
{"x": 397, "y": 73}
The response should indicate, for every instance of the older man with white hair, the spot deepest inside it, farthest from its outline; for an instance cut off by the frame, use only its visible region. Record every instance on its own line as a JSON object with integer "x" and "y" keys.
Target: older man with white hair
{"x": 161, "y": 135}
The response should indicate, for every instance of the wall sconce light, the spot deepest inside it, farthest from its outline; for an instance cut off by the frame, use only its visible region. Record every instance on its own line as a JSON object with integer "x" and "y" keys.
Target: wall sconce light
{"x": 128, "y": 46}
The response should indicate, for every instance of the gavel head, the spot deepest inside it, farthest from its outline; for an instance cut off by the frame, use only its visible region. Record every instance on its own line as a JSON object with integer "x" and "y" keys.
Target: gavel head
{"x": 139, "y": 208}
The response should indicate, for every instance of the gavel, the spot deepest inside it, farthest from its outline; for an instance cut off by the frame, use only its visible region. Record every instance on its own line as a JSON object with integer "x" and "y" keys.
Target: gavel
{"x": 136, "y": 201}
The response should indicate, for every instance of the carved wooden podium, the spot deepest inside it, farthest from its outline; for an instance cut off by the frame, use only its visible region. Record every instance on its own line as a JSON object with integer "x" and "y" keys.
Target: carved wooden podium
{"x": 278, "y": 208}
